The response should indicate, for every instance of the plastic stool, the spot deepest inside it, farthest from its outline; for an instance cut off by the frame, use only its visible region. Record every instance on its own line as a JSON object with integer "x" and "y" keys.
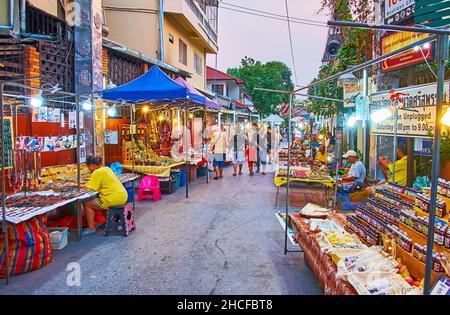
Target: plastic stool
{"x": 120, "y": 219}
{"x": 149, "y": 188}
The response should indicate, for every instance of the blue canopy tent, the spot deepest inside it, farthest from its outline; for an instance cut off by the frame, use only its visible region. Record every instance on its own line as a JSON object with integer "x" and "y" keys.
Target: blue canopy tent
{"x": 153, "y": 86}
{"x": 156, "y": 87}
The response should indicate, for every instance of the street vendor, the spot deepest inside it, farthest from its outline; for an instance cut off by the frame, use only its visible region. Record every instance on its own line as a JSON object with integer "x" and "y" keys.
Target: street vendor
{"x": 111, "y": 192}
{"x": 401, "y": 166}
{"x": 322, "y": 155}
{"x": 357, "y": 172}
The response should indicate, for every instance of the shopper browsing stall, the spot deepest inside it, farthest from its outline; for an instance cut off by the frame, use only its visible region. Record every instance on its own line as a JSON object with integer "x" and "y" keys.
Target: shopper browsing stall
{"x": 111, "y": 192}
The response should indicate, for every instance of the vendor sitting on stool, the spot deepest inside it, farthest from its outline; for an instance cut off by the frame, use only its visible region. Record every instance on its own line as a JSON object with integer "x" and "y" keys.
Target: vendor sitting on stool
{"x": 322, "y": 155}
{"x": 111, "y": 192}
{"x": 357, "y": 173}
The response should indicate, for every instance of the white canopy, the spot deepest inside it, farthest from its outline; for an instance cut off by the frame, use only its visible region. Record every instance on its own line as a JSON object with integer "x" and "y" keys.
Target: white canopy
{"x": 273, "y": 119}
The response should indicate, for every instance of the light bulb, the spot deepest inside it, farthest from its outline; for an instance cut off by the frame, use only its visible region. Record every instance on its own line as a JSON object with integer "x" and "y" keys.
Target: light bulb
{"x": 445, "y": 120}
{"x": 380, "y": 115}
{"x": 87, "y": 105}
{"x": 37, "y": 100}
{"x": 320, "y": 137}
{"x": 175, "y": 120}
{"x": 145, "y": 109}
{"x": 112, "y": 112}
{"x": 160, "y": 117}
{"x": 191, "y": 115}
{"x": 416, "y": 48}
{"x": 426, "y": 45}
{"x": 351, "y": 121}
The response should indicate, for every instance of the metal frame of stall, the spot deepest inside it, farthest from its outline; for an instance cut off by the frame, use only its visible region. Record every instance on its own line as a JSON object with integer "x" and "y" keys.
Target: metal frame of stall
{"x": 2, "y": 140}
{"x": 170, "y": 104}
{"x": 439, "y": 35}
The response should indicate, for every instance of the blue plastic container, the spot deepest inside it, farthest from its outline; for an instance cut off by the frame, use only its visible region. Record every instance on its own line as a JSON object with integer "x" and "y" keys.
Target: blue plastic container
{"x": 177, "y": 175}
{"x": 182, "y": 178}
{"x": 130, "y": 191}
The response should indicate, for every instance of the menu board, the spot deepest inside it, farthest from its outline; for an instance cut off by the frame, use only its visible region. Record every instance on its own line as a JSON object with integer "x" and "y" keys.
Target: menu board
{"x": 8, "y": 136}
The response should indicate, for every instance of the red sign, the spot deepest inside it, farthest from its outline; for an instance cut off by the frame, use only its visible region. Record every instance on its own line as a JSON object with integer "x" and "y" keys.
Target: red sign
{"x": 398, "y": 40}
{"x": 406, "y": 59}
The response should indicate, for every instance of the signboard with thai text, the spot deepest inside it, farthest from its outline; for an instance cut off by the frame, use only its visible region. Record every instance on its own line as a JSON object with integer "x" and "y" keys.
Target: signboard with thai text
{"x": 399, "y": 40}
{"x": 398, "y": 11}
{"x": 418, "y": 121}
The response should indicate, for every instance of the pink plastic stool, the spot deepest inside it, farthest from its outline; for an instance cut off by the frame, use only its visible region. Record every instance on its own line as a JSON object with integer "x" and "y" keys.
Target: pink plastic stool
{"x": 149, "y": 188}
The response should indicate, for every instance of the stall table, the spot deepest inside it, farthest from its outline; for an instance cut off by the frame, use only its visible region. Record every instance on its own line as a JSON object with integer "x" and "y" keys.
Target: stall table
{"x": 160, "y": 171}
{"x": 321, "y": 263}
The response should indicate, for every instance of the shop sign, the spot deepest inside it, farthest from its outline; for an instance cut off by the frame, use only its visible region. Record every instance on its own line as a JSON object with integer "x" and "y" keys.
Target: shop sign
{"x": 352, "y": 90}
{"x": 399, "y": 40}
{"x": 6, "y": 14}
{"x": 410, "y": 123}
{"x": 398, "y": 11}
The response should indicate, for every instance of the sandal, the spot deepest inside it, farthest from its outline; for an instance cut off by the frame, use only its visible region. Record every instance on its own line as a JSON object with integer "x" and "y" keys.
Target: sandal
{"x": 234, "y": 174}
{"x": 88, "y": 232}
{"x": 217, "y": 177}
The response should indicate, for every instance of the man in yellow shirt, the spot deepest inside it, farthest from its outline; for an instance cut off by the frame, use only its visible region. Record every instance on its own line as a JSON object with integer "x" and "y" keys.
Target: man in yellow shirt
{"x": 322, "y": 156}
{"x": 401, "y": 166}
{"x": 111, "y": 192}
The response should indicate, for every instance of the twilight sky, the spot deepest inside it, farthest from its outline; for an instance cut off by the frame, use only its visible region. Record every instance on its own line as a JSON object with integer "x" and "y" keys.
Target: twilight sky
{"x": 265, "y": 39}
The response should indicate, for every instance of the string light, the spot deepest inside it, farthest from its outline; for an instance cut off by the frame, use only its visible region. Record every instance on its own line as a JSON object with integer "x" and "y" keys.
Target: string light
{"x": 145, "y": 109}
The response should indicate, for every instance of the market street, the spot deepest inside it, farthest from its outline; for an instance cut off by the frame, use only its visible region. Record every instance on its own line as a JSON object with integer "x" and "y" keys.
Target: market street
{"x": 224, "y": 239}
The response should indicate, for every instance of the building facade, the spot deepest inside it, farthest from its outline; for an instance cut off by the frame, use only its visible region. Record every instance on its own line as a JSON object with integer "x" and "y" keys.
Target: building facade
{"x": 188, "y": 29}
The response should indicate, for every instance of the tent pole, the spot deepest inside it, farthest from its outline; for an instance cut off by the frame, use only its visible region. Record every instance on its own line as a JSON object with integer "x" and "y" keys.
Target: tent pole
{"x": 4, "y": 223}
{"x": 94, "y": 141}
{"x": 288, "y": 175}
{"x": 186, "y": 121}
{"x": 394, "y": 153}
{"x": 132, "y": 136}
{"x": 206, "y": 149}
{"x": 77, "y": 100}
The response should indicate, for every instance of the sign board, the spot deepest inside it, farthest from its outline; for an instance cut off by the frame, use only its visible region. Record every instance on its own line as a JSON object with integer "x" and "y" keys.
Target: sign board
{"x": 417, "y": 123}
{"x": 423, "y": 147}
{"x": 352, "y": 90}
{"x": 399, "y": 40}
{"x": 362, "y": 107}
{"x": 398, "y": 11}
{"x": 6, "y": 14}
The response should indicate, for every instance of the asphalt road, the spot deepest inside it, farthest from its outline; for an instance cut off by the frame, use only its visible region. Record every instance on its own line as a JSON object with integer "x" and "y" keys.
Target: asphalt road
{"x": 224, "y": 239}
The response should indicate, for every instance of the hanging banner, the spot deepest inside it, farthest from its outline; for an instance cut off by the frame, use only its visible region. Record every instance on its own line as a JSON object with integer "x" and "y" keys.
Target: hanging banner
{"x": 399, "y": 40}
{"x": 72, "y": 120}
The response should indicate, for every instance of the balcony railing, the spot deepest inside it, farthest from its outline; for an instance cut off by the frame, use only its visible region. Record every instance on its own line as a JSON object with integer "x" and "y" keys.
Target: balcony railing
{"x": 203, "y": 20}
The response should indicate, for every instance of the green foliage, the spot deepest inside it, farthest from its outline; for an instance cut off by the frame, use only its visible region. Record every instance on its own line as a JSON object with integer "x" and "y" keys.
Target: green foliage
{"x": 445, "y": 147}
{"x": 271, "y": 75}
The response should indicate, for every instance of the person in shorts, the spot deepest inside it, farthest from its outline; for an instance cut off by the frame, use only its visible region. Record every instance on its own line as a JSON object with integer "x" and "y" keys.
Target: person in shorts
{"x": 219, "y": 148}
{"x": 238, "y": 150}
{"x": 111, "y": 192}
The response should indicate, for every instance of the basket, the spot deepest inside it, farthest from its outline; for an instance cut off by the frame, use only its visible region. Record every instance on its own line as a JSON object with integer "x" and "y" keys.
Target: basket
{"x": 59, "y": 239}
{"x": 201, "y": 171}
{"x": 299, "y": 200}
{"x": 182, "y": 177}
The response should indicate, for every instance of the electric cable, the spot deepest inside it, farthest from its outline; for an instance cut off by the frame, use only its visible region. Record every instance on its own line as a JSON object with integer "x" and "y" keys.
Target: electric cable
{"x": 290, "y": 41}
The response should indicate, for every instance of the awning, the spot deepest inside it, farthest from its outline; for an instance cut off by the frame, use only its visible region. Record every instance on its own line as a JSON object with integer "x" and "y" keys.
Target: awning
{"x": 152, "y": 86}
{"x": 208, "y": 102}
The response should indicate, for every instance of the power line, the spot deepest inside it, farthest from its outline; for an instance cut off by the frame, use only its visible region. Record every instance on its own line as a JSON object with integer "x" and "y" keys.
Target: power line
{"x": 290, "y": 41}
{"x": 274, "y": 14}
{"x": 274, "y": 17}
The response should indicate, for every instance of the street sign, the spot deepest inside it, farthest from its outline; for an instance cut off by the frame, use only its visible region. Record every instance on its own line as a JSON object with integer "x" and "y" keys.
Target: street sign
{"x": 398, "y": 11}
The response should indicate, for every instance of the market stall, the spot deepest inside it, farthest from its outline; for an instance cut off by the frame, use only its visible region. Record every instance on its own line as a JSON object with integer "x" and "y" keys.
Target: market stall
{"x": 155, "y": 88}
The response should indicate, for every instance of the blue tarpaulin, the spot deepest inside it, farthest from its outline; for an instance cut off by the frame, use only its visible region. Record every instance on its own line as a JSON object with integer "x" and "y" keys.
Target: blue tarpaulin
{"x": 152, "y": 86}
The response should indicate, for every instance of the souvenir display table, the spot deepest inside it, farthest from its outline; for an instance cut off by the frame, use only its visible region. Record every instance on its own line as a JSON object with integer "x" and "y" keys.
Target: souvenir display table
{"x": 343, "y": 263}
{"x": 160, "y": 171}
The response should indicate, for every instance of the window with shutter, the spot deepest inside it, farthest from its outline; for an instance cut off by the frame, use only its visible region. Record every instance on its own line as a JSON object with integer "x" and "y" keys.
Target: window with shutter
{"x": 183, "y": 52}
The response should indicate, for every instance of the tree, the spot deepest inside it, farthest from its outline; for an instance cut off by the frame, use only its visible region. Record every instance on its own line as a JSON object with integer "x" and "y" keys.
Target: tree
{"x": 271, "y": 75}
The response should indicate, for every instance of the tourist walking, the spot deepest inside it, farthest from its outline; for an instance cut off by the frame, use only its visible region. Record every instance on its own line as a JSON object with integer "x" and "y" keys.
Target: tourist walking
{"x": 252, "y": 148}
{"x": 219, "y": 148}
{"x": 238, "y": 150}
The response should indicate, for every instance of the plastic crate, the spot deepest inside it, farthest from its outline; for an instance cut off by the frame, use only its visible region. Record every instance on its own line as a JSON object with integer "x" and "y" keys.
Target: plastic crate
{"x": 130, "y": 191}
{"x": 177, "y": 175}
{"x": 58, "y": 240}
{"x": 182, "y": 177}
{"x": 201, "y": 171}
{"x": 167, "y": 184}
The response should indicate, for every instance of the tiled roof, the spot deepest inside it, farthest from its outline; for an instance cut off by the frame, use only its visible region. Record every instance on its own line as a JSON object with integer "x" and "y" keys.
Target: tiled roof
{"x": 213, "y": 74}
